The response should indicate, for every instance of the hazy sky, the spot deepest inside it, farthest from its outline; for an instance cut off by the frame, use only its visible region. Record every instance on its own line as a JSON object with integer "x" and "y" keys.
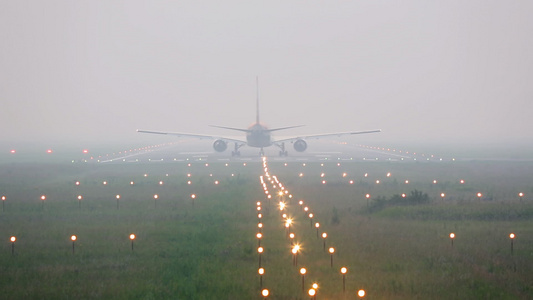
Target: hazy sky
{"x": 422, "y": 71}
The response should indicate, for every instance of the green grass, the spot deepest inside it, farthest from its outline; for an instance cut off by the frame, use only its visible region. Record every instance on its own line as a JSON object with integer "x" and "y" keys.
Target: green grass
{"x": 209, "y": 251}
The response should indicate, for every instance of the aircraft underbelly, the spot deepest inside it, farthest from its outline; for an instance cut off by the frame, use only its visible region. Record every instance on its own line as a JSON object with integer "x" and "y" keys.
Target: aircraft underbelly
{"x": 258, "y": 141}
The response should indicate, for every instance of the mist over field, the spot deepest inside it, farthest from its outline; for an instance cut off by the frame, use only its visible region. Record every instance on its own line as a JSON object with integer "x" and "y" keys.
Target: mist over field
{"x": 89, "y": 73}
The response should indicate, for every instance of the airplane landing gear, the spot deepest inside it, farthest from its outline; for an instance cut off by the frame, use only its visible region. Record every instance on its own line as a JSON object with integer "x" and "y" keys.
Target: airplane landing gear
{"x": 236, "y": 152}
{"x": 282, "y": 151}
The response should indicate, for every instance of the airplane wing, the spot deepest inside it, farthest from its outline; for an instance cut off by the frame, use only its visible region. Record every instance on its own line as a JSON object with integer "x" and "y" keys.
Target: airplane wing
{"x": 198, "y": 136}
{"x": 323, "y": 135}
{"x": 249, "y": 130}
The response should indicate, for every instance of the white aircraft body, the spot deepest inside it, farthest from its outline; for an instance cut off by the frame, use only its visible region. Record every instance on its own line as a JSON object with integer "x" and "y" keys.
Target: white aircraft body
{"x": 259, "y": 136}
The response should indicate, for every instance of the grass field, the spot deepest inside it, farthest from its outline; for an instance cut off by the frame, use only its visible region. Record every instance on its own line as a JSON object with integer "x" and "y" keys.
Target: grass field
{"x": 207, "y": 249}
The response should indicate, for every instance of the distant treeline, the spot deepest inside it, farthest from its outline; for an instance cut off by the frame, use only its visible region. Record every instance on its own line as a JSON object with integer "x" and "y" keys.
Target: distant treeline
{"x": 403, "y": 207}
{"x": 416, "y": 197}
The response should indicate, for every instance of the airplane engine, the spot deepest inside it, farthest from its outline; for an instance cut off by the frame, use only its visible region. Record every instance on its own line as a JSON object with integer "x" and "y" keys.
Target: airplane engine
{"x": 220, "y": 146}
{"x": 300, "y": 145}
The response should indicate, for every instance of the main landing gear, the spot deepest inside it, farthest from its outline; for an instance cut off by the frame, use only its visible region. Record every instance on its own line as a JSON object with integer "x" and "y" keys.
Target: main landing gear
{"x": 282, "y": 151}
{"x": 236, "y": 152}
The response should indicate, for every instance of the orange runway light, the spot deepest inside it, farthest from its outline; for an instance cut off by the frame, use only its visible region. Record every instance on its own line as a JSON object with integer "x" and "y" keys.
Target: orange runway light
{"x": 331, "y": 251}
{"x": 303, "y": 271}
{"x": 265, "y": 293}
{"x": 344, "y": 270}
{"x": 132, "y": 237}
{"x": 452, "y": 237}
{"x": 73, "y": 239}
{"x": 13, "y": 239}
{"x": 361, "y": 293}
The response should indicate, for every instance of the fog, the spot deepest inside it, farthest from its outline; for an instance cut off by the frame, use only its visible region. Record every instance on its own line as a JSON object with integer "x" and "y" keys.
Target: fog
{"x": 425, "y": 72}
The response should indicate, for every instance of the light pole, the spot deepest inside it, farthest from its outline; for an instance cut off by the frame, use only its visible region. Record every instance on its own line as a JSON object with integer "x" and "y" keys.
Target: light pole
{"x": 155, "y": 200}
{"x": 259, "y": 235}
{"x": 13, "y": 239}
{"x": 261, "y": 271}
{"x": 331, "y": 251}
{"x": 118, "y": 198}
{"x": 317, "y": 225}
{"x": 324, "y": 236}
{"x": 43, "y": 197}
{"x": 132, "y": 237}
{"x": 260, "y": 251}
{"x": 303, "y": 271}
{"x": 311, "y": 218}
{"x": 343, "y": 272}
{"x": 79, "y": 201}
{"x": 73, "y": 239}
{"x": 512, "y": 236}
{"x": 294, "y": 251}
{"x": 452, "y": 236}
{"x": 3, "y": 201}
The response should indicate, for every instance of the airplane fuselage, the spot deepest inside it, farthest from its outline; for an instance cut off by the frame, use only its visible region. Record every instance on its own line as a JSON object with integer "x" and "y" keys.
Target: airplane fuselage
{"x": 258, "y": 136}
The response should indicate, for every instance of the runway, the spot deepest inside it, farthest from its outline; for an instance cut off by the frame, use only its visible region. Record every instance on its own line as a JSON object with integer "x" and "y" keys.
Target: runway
{"x": 186, "y": 152}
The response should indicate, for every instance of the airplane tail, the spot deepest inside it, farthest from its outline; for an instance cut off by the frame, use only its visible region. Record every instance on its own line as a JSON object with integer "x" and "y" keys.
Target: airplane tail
{"x": 257, "y": 100}
{"x": 256, "y": 116}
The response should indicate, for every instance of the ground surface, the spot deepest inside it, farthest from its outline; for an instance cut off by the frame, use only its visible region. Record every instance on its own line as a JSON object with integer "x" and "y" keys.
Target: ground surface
{"x": 207, "y": 248}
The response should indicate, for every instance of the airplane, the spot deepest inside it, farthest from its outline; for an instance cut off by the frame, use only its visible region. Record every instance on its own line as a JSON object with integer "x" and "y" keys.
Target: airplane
{"x": 258, "y": 136}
